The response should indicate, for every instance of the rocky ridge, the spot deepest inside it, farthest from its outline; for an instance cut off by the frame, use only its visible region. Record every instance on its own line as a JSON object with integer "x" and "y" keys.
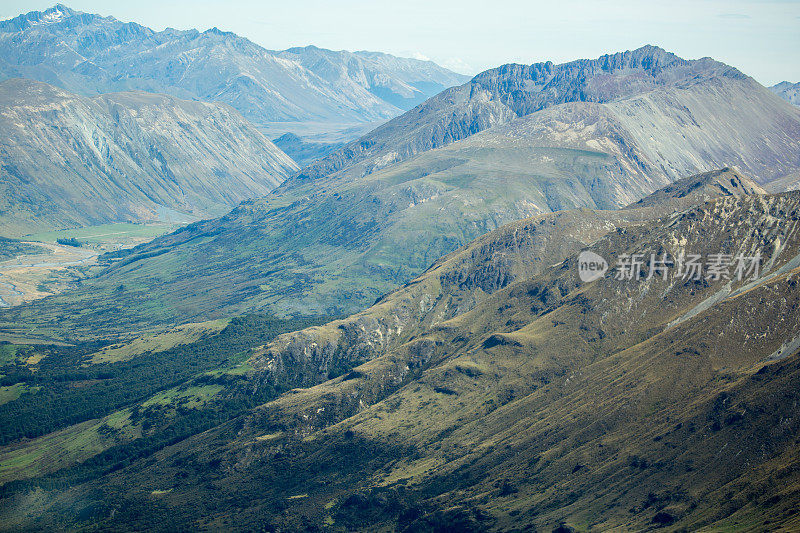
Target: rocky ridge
{"x": 90, "y": 54}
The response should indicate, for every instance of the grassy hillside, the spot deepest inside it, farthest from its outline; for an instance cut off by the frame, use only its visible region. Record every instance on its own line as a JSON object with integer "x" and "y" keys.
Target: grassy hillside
{"x": 454, "y": 285}
{"x": 71, "y": 413}
{"x": 107, "y": 237}
{"x": 617, "y": 404}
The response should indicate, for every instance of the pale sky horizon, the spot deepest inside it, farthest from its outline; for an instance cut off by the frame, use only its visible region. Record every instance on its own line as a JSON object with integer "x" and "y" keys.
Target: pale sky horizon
{"x": 759, "y": 37}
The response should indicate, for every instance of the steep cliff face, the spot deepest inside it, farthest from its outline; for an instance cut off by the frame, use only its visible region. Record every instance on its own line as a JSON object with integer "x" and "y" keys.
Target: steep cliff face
{"x": 70, "y": 161}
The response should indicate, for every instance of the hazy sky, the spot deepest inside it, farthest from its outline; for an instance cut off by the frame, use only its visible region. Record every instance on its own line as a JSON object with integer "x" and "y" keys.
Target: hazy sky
{"x": 760, "y": 37}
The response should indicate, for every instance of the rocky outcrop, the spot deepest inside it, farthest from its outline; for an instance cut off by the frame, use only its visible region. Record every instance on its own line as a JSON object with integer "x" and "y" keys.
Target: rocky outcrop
{"x": 704, "y": 187}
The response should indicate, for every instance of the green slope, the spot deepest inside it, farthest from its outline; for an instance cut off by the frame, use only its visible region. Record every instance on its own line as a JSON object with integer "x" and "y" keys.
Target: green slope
{"x": 625, "y": 405}
{"x": 451, "y": 287}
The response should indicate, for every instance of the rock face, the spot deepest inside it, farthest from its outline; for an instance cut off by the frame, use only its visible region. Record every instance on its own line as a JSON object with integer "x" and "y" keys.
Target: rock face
{"x": 90, "y": 54}
{"x": 68, "y": 161}
{"x": 502, "y": 94}
{"x": 788, "y": 91}
{"x": 333, "y": 243}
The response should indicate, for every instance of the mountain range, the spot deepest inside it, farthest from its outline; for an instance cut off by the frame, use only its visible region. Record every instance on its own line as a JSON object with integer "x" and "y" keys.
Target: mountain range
{"x": 70, "y": 161}
{"x": 495, "y": 391}
{"x": 502, "y": 94}
{"x": 612, "y": 405}
{"x": 90, "y": 54}
{"x": 514, "y": 142}
{"x": 552, "y": 297}
{"x": 788, "y": 91}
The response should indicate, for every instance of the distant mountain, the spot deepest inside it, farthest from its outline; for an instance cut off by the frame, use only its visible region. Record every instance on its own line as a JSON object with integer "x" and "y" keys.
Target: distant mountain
{"x": 493, "y": 393}
{"x": 89, "y": 54}
{"x": 788, "y": 91}
{"x": 69, "y": 161}
{"x": 331, "y": 243}
{"x": 402, "y": 82}
{"x": 304, "y": 151}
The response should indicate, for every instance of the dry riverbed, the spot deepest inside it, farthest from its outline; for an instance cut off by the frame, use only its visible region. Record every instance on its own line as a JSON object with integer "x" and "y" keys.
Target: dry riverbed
{"x": 32, "y": 276}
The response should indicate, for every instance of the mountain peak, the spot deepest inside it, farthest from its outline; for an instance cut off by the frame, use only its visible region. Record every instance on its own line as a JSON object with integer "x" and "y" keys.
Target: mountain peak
{"x": 52, "y": 15}
{"x": 607, "y": 78}
{"x": 788, "y": 91}
{"x": 63, "y": 21}
{"x": 57, "y": 13}
{"x": 510, "y": 91}
{"x": 217, "y": 31}
{"x": 649, "y": 59}
{"x": 653, "y": 51}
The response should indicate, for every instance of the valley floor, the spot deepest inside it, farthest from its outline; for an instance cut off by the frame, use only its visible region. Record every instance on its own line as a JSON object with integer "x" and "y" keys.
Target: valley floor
{"x": 40, "y": 265}
{"x": 32, "y": 276}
